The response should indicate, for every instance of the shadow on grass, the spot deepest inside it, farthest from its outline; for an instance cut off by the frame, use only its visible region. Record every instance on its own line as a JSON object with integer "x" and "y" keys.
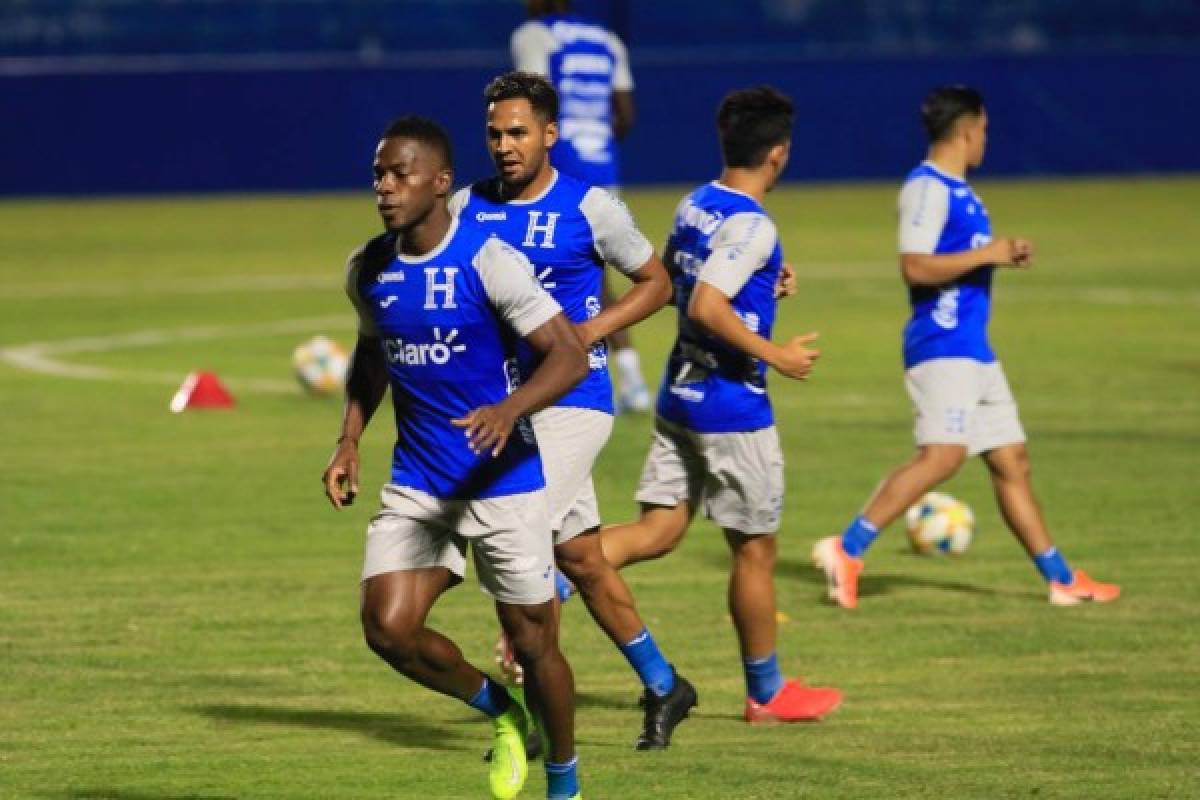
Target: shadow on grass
{"x": 870, "y": 585}
{"x": 130, "y": 794}
{"x": 405, "y": 730}
{"x": 611, "y": 702}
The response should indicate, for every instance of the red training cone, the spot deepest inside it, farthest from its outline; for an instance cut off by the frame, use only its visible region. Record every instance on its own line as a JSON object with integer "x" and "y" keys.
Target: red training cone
{"x": 201, "y": 389}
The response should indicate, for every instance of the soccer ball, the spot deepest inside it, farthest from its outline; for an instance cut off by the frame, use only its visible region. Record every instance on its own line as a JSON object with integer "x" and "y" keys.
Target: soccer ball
{"x": 320, "y": 365}
{"x": 939, "y": 523}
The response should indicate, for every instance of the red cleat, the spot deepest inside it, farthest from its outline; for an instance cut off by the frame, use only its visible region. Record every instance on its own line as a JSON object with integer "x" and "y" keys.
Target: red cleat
{"x": 795, "y": 702}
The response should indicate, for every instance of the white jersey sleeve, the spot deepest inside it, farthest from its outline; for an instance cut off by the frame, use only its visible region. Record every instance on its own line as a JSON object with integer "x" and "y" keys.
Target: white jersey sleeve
{"x": 354, "y": 266}
{"x": 741, "y": 246}
{"x": 458, "y": 201}
{"x": 924, "y": 205}
{"x": 531, "y": 45}
{"x": 512, "y": 287}
{"x": 618, "y": 240}
{"x": 622, "y": 78}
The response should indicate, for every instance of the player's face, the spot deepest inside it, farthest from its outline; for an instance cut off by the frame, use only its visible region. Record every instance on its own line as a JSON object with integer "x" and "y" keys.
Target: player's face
{"x": 410, "y": 179}
{"x": 975, "y": 130}
{"x": 518, "y": 140}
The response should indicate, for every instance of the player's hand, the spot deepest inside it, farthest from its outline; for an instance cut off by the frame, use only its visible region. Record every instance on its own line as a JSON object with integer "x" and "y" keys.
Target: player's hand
{"x": 341, "y": 476}
{"x": 796, "y": 358}
{"x": 1022, "y": 253}
{"x": 487, "y": 428}
{"x": 786, "y": 285}
{"x": 586, "y": 333}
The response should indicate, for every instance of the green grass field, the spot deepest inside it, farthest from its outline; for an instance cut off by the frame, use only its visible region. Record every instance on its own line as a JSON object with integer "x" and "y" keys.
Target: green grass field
{"x": 178, "y": 605}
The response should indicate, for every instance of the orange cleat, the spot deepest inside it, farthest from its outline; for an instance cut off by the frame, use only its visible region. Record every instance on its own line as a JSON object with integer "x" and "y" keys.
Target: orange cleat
{"x": 1082, "y": 589}
{"x": 841, "y": 570}
{"x": 794, "y": 702}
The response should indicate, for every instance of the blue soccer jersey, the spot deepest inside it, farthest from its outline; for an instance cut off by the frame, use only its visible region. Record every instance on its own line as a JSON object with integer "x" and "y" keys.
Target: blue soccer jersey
{"x": 449, "y": 323}
{"x": 586, "y": 63}
{"x": 941, "y": 214}
{"x": 722, "y": 237}
{"x": 568, "y": 233}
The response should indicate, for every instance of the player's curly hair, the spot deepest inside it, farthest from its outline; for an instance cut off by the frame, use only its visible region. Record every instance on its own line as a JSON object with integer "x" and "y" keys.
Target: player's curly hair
{"x": 424, "y": 130}
{"x": 540, "y": 93}
{"x": 945, "y": 105}
{"x": 752, "y": 121}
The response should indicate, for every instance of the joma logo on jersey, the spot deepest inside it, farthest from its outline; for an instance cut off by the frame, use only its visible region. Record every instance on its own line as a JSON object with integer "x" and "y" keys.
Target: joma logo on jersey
{"x": 545, "y": 229}
{"x": 704, "y": 221}
{"x": 437, "y": 352}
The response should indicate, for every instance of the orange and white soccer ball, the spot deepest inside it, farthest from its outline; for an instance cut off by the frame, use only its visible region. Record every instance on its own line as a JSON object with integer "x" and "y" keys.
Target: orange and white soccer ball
{"x": 321, "y": 365}
{"x": 938, "y": 523}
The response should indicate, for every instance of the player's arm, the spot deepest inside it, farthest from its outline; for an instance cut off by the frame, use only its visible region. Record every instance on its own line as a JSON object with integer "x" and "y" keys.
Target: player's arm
{"x": 623, "y": 110}
{"x": 366, "y": 384}
{"x": 740, "y": 248}
{"x": 522, "y": 302}
{"x": 620, "y": 244}
{"x": 924, "y": 206}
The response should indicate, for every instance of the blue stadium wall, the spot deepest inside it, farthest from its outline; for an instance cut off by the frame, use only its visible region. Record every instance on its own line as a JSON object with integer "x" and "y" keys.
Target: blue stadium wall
{"x": 287, "y": 128}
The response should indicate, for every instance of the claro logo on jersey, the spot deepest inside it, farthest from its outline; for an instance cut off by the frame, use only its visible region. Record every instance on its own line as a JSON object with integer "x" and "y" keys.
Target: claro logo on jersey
{"x": 437, "y": 352}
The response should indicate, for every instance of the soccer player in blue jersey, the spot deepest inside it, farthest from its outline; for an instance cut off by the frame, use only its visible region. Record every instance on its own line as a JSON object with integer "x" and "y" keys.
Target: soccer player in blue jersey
{"x": 715, "y": 444}
{"x": 442, "y": 308}
{"x": 589, "y": 66}
{"x": 570, "y": 230}
{"x": 962, "y": 401}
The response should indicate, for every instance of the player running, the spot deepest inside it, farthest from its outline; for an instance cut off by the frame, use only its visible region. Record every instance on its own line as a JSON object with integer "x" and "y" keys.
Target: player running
{"x": 569, "y": 231}
{"x": 441, "y": 309}
{"x": 715, "y": 442}
{"x": 961, "y": 398}
{"x": 589, "y": 66}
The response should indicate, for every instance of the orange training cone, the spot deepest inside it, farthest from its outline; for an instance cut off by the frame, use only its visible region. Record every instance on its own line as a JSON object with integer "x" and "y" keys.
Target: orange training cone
{"x": 201, "y": 389}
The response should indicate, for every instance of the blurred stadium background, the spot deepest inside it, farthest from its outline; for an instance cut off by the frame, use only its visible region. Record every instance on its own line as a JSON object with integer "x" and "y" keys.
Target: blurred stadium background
{"x": 289, "y": 94}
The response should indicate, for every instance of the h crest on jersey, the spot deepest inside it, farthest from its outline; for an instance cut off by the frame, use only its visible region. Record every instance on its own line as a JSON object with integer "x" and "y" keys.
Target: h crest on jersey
{"x": 545, "y": 229}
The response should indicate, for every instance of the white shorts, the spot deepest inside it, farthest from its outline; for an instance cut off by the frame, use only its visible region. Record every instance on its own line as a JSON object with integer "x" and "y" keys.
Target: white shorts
{"x": 963, "y": 401}
{"x": 570, "y": 439}
{"x": 737, "y": 477}
{"x": 509, "y": 537}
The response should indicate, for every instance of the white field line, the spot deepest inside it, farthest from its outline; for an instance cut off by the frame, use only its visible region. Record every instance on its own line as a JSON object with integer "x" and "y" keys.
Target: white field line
{"x": 184, "y": 286}
{"x": 46, "y": 357}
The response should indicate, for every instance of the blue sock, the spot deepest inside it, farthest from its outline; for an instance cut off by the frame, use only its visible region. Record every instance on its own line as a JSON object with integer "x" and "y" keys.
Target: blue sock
{"x": 492, "y": 698}
{"x": 647, "y": 661}
{"x": 562, "y": 780}
{"x": 858, "y": 536}
{"x": 763, "y": 679}
{"x": 562, "y": 587}
{"x": 1053, "y": 566}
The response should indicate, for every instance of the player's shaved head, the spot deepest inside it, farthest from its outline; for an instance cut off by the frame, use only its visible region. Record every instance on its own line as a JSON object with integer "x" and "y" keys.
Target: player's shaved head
{"x": 425, "y": 131}
{"x": 752, "y": 121}
{"x": 537, "y": 8}
{"x": 945, "y": 106}
{"x": 541, "y": 94}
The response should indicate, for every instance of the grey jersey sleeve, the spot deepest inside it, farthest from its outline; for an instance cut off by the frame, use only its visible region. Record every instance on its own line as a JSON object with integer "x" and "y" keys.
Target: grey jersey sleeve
{"x": 354, "y": 267}
{"x": 531, "y": 45}
{"x": 512, "y": 287}
{"x": 741, "y": 246}
{"x": 618, "y": 240}
{"x": 923, "y": 206}
{"x": 458, "y": 200}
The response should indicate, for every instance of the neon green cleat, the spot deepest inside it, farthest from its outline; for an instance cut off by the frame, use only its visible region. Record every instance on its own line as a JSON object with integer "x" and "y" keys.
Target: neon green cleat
{"x": 509, "y": 768}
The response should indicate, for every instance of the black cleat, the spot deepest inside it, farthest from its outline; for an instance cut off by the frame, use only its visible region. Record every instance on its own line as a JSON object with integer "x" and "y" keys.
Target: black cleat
{"x": 533, "y": 746}
{"x": 664, "y": 713}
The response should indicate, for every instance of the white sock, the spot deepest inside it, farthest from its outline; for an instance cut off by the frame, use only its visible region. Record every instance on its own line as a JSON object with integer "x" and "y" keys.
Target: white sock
{"x": 630, "y": 367}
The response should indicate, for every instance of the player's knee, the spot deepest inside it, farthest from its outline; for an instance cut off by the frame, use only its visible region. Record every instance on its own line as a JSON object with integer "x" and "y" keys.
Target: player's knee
{"x": 390, "y": 636}
{"x": 1011, "y": 464}
{"x": 756, "y": 552}
{"x": 944, "y": 461}
{"x": 532, "y": 640}
{"x": 587, "y": 569}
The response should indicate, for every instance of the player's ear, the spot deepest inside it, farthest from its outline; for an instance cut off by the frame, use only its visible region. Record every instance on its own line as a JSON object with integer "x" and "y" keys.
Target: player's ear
{"x": 443, "y": 182}
{"x": 777, "y": 156}
{"x": 550, "y": 134}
